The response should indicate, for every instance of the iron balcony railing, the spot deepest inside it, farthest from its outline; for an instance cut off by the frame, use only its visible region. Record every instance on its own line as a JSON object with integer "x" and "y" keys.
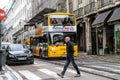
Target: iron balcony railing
{"x": 90, "y": 7}
{"x": 117, "y": 0}
{"x": 103, "y": 3}
{"x": 79, "y": 12}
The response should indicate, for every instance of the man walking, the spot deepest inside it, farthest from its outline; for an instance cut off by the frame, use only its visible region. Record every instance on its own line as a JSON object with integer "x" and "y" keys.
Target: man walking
{"x": 69, "y": 58}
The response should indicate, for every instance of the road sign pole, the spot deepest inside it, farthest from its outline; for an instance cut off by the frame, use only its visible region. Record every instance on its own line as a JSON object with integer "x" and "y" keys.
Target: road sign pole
{"x": 2, "y": 17}
{"x": 0, "y": 33}
{"x": 0, "y": 46}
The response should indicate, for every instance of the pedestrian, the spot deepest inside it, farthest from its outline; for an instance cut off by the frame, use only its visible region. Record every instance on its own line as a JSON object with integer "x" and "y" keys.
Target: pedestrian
{"x": 69, "y": 58}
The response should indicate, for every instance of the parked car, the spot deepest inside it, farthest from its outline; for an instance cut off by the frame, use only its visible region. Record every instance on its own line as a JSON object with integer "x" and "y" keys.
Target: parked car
{"x": 19, "y": 53}
{"x": 4, "y": 45}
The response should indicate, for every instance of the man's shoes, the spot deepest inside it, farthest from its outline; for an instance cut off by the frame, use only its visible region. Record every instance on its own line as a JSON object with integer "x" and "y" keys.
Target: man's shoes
{"x": 77, "y": 75}
{"x": 60, "y": 75}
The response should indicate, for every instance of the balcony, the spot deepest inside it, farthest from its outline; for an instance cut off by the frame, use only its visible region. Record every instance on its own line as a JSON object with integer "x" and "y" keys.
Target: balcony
{"x": 79, "y": 12}
{"x": 103, "y": 3}
{"x": 117, "y": 0}
{"x": 90, "y": 7}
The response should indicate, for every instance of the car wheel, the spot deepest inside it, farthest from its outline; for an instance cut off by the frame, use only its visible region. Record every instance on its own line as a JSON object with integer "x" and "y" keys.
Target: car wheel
{"x": 8, "y": 62}
{"x": 31, "y": 62}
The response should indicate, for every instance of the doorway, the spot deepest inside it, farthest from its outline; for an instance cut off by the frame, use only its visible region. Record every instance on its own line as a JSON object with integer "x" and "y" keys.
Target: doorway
{"x": 81, "y": 37}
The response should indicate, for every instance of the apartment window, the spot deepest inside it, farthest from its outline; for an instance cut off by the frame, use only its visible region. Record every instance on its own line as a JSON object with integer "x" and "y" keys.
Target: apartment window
{"x": 89, "y": 1}
{"x": 79, "y": 1}
{"x": 70, "y": 6}
{"x": 106, "y": 1}
{"x": 103, "y": 3}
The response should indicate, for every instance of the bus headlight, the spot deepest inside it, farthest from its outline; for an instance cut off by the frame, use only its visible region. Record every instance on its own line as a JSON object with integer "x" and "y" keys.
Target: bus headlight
{"x": 53, "y": 49}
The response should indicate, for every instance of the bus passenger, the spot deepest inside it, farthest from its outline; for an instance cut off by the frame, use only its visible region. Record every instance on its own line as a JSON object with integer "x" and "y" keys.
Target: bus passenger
{"x": 67, "y": 22}
{"x": 54, "y": 21}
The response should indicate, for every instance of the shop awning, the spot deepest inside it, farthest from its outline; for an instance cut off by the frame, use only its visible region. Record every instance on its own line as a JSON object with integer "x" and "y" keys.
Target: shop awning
{"x": 101, "y": 18}
{"x": 115, "y": 16}
{"x": 38, "y": 17}
{"x": 79, "y": 21}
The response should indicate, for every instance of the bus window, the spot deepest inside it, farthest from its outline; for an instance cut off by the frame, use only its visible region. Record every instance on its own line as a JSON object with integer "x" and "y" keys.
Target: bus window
{"x": 62, "y": 20}
{"x": 67, "y": 22}
{"x": 58, "y": 38}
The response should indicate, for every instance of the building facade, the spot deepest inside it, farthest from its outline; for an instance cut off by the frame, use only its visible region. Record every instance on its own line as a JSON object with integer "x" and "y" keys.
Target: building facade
{"x": 96, "y": 33}
{"x": 97, "y": 26}
{"x": 16, "y": 16}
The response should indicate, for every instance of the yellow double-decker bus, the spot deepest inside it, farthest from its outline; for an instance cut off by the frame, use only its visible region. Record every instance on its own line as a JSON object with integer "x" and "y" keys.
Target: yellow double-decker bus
{"x": 49, "y": 38}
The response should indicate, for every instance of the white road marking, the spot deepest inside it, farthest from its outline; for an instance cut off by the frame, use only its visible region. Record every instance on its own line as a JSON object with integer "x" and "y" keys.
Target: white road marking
{"x": 39, "y": 65}
{"x": 8, "y": 76}
{"x": 15, "y": 73}
{"x": 48, "y": 72}
{"x": 68, "y": 70}
{"x": 107, "y": 68}
{"x": 116, "y": 66}
{"x": 51, "y": 73}
{"x": 35, "y": 63}
{"x": 97, "y": 71}
{"x": 29, "y": 75}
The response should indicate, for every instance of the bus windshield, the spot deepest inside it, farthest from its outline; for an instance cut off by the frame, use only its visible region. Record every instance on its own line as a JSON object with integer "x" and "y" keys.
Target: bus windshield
{"x": 58, "y": 38}
{"x": 62, "y": 20}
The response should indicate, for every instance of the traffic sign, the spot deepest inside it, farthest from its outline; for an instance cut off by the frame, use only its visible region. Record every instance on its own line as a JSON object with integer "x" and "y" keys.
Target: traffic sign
{"x": 2, "y": 14}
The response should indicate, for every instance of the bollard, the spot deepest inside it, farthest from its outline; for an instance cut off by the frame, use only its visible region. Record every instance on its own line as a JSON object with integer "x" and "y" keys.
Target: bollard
{"x": 2, "y": 59}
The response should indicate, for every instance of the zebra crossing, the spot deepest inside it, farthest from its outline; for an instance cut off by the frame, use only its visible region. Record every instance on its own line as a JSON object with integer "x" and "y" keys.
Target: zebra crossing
{"x": 107, "y": 68}
{"x": 48, "y": 71}
{"x": 29, "y": 75}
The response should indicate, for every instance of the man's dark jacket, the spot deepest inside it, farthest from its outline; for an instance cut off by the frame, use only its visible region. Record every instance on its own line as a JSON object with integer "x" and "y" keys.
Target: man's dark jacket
{"x": 70, "y": 48}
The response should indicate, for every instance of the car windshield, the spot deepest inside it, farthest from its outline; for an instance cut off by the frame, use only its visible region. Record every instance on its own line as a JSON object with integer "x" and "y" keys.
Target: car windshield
{"x": 17, "y": 47}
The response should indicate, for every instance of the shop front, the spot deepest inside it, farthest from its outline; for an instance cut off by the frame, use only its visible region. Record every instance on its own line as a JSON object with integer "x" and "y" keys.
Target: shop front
{"x": 115, "y": 21}
{"x": 117, "y": 38}
{"x": 99, "y": 33}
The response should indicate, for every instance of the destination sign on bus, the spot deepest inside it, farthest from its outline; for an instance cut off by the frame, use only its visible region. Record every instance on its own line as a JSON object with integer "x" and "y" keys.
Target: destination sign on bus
{"x": 62, "y": 28}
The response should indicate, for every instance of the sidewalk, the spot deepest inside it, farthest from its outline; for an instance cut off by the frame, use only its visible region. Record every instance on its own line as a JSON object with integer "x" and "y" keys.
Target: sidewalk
{"x": 9, "y": 74}
{"x": 98, "y": 58}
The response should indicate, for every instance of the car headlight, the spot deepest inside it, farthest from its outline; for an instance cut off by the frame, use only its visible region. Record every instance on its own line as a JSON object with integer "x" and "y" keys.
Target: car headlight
{"x": 12, "y": 56}
{"x": 30, "y": 54}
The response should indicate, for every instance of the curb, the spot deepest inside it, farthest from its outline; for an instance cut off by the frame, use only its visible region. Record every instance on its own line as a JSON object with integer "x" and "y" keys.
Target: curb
{"x": 10, "y": 74}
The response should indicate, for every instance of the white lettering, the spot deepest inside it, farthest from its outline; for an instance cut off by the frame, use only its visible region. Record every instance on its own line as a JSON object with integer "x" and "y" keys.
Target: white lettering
{"x": 2, "y": 14}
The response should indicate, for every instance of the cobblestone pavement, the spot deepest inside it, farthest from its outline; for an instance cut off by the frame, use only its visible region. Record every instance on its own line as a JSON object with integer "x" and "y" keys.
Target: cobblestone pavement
{"x": 98, "y": 58}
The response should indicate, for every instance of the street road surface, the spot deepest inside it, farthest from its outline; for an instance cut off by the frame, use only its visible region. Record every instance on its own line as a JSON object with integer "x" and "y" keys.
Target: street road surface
{"x": 45, "y": 70}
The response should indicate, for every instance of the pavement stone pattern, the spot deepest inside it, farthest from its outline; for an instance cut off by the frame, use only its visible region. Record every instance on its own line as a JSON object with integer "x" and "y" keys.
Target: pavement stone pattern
{"x": 112, "y": 58}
